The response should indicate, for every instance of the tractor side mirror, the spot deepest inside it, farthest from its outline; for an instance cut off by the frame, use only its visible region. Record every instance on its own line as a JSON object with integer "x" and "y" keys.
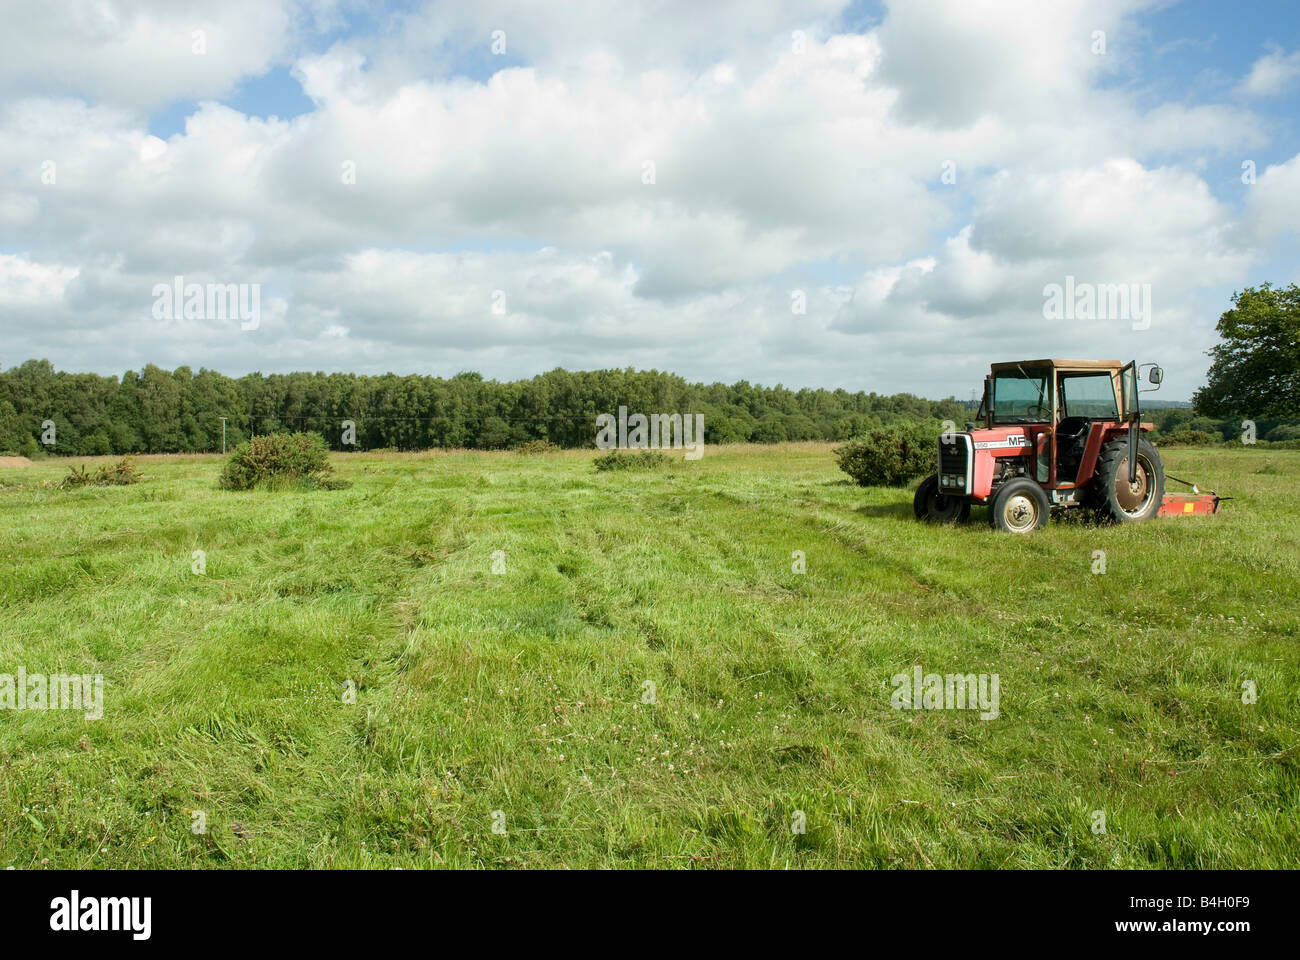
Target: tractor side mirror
{"x": 1155, "y": 376}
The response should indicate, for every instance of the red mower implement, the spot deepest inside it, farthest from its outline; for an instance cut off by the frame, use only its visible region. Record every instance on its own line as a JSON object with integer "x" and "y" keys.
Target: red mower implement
{"x": 1057, "y": 434}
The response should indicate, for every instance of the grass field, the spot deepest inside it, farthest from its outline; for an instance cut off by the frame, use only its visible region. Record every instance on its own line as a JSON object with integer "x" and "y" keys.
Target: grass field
{"x": 522, "y": 691}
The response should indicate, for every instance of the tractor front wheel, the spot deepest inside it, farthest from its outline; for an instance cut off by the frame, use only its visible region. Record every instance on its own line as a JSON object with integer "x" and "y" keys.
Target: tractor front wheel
{"x": 929, "y": 504}
{"x": 1113, "y": 497}
{"x": 1021, "y": 506}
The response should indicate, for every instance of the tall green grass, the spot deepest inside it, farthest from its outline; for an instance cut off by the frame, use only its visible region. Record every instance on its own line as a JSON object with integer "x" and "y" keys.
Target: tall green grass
{"x": 522, "y": 691}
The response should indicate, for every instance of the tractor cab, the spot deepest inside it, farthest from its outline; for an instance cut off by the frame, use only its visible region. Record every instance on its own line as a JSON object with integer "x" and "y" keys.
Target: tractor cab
{"x": 1056, "y": 404}
{"x": 1053, "y": 434}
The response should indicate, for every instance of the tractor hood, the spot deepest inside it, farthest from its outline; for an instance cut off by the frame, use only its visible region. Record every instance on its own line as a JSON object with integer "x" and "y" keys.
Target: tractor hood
{"x": 1008, "y": 439}
{"x": 967, "y": 460}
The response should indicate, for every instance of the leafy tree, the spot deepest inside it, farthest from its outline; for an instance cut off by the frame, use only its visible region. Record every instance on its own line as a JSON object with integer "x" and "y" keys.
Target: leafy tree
{"x": 160, "y": 410}
{"x": 770, "y": 430}
{"x": 494, "y": 434}
{"x": 1256, "y": 369}
{"x": 11, "y": 433}
{"x": 124, "y": 430}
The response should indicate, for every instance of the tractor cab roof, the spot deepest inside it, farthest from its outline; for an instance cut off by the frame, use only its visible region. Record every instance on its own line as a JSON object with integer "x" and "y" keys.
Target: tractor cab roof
{"x": 1111, "y": 365}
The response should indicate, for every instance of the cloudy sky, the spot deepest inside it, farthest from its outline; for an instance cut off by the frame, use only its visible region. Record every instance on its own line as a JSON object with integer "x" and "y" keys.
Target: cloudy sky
{"x": 817, "y": 193}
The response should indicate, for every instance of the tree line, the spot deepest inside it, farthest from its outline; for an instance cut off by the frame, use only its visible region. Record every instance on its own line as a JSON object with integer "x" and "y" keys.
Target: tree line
{"x": 157, "y": 411}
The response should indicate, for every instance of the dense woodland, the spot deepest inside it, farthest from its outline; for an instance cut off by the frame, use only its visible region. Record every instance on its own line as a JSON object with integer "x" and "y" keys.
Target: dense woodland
{"x": 156, "y": 411}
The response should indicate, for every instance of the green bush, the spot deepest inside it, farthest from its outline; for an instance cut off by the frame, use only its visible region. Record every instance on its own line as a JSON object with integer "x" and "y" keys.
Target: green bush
{"x": 890, "y": 456}
{"x": 1283, "y": 433}
{"x": 1183, "y": 437}
{"x": 119, "y": 474}
{"x": 279, "y": 460}
{"x": 627, "y": 460}
{"x": 537, "y": 446}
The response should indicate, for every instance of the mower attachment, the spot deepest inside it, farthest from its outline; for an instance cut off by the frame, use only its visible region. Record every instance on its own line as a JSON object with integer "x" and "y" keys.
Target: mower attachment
{"x": 1181, "y": 504}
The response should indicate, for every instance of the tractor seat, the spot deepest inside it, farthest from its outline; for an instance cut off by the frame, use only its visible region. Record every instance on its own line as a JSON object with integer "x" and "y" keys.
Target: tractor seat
{"x": 1072, "y": 428}
{"x": 1071, "y": 434}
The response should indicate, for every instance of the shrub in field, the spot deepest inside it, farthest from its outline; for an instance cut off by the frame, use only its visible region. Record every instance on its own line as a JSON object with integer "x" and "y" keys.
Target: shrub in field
{"x": 119, "y": 474}
{"x": 1189, "y": 438}
{"x": 889, "y": 456}
{"x": 537, "y": 446}
{"x": 77, "y": 477}
{"x": 629, "y": 460}
{"x": 278, "y": 460}
{"x": 1283, "y": 433}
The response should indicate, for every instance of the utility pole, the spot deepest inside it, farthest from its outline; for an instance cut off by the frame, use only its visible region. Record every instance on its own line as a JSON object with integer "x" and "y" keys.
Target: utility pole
{"x": 223, "y": 436}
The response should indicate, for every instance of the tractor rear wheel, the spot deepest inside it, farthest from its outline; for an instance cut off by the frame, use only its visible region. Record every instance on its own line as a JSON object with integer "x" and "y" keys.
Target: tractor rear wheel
{"x": 1113, "y": 497}
{"x": 1021, "y": 506}
{"x": 929, "y": 504}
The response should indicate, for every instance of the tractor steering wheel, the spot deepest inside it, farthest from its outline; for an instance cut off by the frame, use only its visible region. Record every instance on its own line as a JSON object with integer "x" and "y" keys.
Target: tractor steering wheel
{"x": 1072, "y": 428}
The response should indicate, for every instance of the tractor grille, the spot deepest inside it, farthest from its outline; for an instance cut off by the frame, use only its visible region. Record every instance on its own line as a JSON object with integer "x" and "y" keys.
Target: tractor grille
{"x": 954, "y": 464}
{"x": 952, "y": 456}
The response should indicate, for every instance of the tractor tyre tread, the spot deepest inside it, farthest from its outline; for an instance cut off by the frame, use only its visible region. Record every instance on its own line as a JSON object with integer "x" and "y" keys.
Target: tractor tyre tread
{"x": 1101, "y": 490}
{"x": 998, "y": 519}
{"x": 923, "y": 503}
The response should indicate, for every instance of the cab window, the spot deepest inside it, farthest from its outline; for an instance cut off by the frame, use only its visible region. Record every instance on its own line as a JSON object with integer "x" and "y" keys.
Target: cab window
{"x": 1021, "y": 397}
{"x": 1090, "y": 395}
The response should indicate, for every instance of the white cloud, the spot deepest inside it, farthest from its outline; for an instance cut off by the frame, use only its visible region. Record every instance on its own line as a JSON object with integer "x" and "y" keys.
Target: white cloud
{"x": 1273, "y": 203}
{"x": 142, "y": 53}
{"x": 1115, "y": 207}
{"x": 1113, "y": 223}
{"x": 25, "y": 284}
{"x": 1273, "y": 73}
{"x": 954, "y": 62}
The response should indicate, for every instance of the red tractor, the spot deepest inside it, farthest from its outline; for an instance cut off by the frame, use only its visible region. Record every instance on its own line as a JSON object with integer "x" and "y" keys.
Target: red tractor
{"x": 1056, "y": 434}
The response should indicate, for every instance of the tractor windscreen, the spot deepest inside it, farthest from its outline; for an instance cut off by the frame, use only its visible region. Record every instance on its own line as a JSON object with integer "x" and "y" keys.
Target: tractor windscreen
{"x": 1021, "y": 396}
